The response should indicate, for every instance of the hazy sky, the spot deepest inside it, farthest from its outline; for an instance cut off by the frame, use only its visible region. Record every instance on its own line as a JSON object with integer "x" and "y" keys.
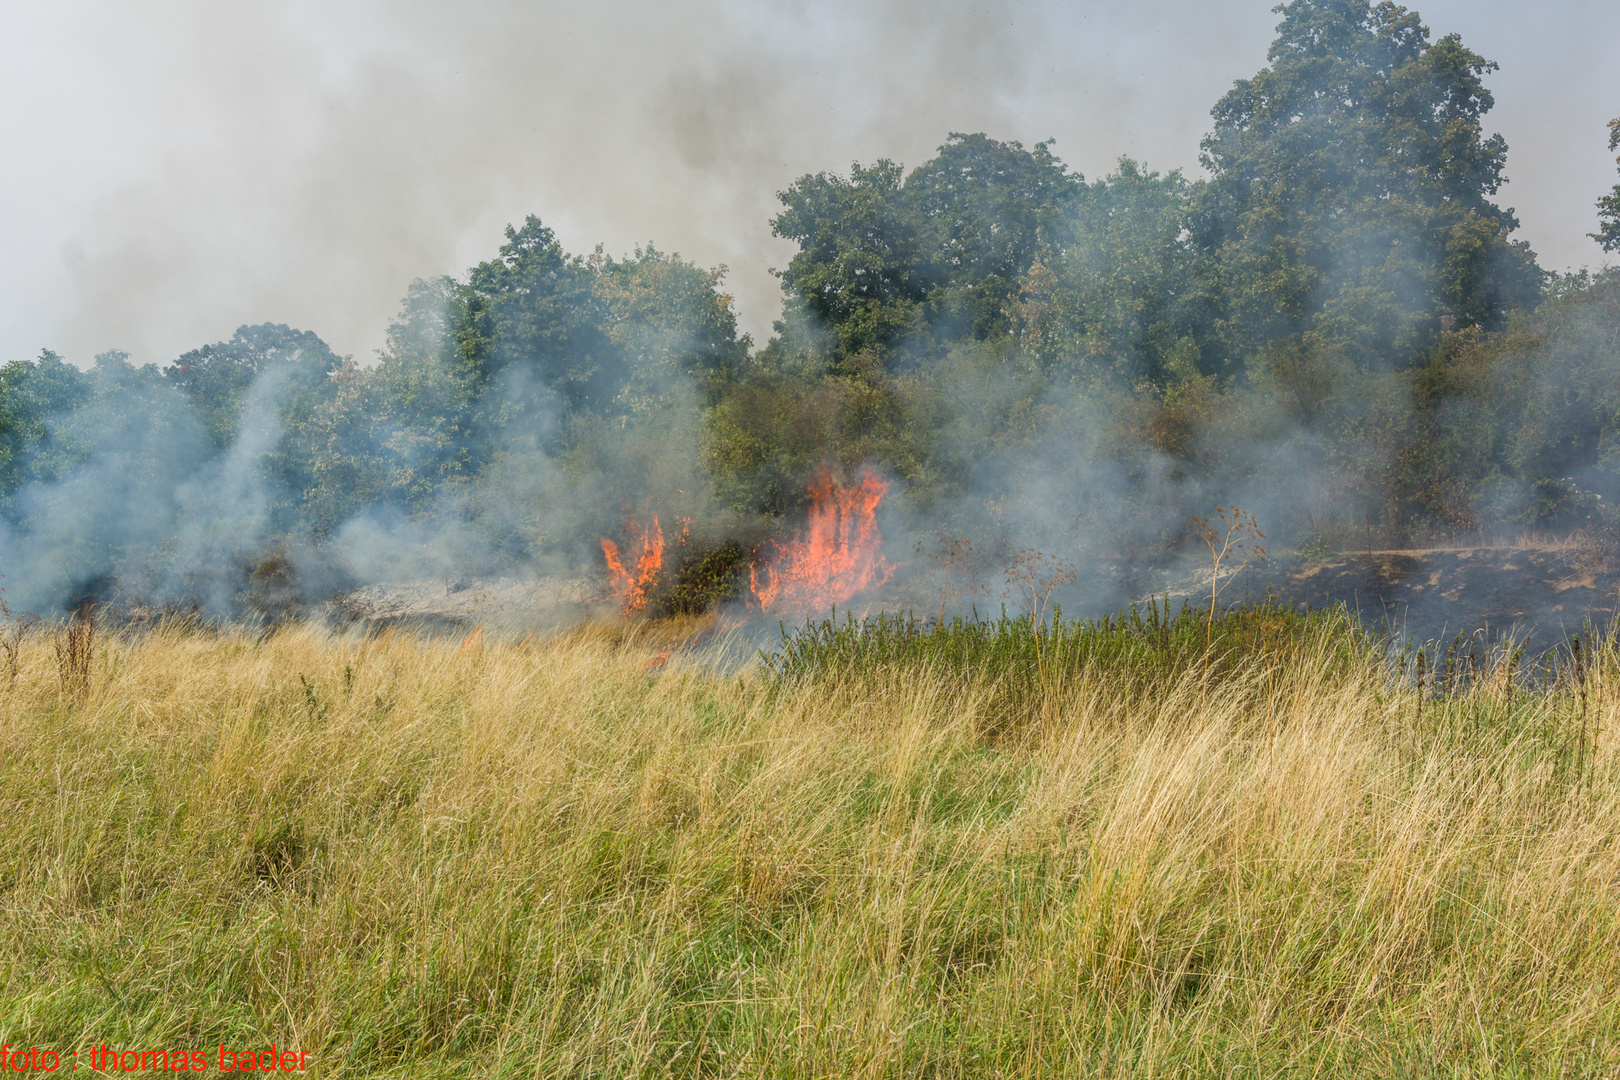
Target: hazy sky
{"x": 176, "y": 168}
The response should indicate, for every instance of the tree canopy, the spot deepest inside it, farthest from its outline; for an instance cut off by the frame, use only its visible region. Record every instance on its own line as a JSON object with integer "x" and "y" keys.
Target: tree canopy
{"x": 1350, "y": 191}
{"x": 884, "y": 255}
{"x": 1608, "y": 233}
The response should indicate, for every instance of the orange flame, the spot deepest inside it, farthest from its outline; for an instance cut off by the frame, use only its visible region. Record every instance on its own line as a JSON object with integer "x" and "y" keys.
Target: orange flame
{"x": 630, "y": 586}
{"x": 838, "y": 555}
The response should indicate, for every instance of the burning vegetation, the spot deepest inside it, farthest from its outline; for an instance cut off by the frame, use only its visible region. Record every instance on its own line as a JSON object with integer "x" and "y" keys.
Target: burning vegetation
{"x": 1207, "y": 842}
{"x": 837, "y": 556}
{"x": 631, "y": 585}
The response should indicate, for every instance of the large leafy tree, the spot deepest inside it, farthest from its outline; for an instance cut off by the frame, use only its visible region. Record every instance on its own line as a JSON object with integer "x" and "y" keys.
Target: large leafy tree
{"x": 983, "y": 209}
{"x": 544, "y": 345}
{"x": 1350, "y": 191}
{"x": 897, "y": 278}
{"x": 424, "y": 418}
{"x": 858, "y": 267}
{"x": 1608, "y": 233}
{"x": 218, "y": 377}
{"x": 884, "y": 256}
{"x": 34, "y": 398}
{"x": 267, "y": 382}
{"x": 668, "y": 322}
{"x": 586, "y": 370}
{"x": 1109, "y": 297}
{"x": 527, "y": 332}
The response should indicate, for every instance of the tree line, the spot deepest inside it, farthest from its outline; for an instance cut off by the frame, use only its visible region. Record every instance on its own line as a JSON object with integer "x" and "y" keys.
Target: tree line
{"x": 1336, "y": 317}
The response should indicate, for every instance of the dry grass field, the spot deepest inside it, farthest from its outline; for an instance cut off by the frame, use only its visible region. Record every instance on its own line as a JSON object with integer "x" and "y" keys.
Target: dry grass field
{"x": 561, "y": 857}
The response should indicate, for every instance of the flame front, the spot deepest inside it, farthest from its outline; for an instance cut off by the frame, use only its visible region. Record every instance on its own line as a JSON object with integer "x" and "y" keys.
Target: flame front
{"x": 838, "y": 555}
{"x": 630, "y": 586}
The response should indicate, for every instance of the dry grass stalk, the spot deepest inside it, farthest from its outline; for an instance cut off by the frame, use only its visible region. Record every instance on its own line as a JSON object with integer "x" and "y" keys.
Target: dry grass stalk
{"x": 13, "y": 628}
{"x": 1033, "y": 577}
{"x": 75, "y": 649}
{"x": 956, "y": 563}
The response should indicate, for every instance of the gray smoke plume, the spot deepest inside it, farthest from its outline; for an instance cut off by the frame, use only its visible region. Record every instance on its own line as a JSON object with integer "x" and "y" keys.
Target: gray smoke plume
{"x": 185, "y": 167}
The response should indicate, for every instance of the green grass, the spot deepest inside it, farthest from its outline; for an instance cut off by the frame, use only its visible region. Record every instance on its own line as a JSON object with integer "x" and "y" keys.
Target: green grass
{"x": 1144, "y": 643}
{"x": 1022, "y": 664}
{"x": 552, "y": 857}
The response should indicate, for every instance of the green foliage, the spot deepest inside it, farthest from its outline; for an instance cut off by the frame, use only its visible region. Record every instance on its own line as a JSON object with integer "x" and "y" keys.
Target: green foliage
{"x": 1022, "y": 663}
{"x": 883, "y": 257}
{"x": 1347, "y": 225}
{"x": 351, "y": 467}
{"x": 1608, "y": 233}
{"x": 984, "y": 209}
{"x": 1111, "y": 295}
{"x": 705, "y": 577}
{"x": 669, "y": 322}
{"x": 1350, "y": 190}
{"x": 217, "y": 378}
{"x": 426, "y": 395}
{"x": 538, "y": 330}
{"x": 527, "y": 326}
{"x": 857, "y": 269}
{"x": 763, "y": 438}
{"x": 1517, "y": 426}
{"x": 582, "y": 380}
{"x": 33, "y": 396}
{"x": 263, "y": 394}
{"x": 1565, "y": 434}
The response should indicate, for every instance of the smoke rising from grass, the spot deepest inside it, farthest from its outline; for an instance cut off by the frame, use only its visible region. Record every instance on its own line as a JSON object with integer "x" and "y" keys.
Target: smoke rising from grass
{"x": 350, "y": 148}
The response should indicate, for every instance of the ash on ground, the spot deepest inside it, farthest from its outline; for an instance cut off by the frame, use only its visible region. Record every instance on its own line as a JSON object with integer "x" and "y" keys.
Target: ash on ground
{"x": 1536, "y": 592}
{"x": 510, "y": 602}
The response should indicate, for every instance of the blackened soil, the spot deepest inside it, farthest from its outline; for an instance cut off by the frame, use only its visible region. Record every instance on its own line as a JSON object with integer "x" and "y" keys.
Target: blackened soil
{"x": 1541, "y": 593}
